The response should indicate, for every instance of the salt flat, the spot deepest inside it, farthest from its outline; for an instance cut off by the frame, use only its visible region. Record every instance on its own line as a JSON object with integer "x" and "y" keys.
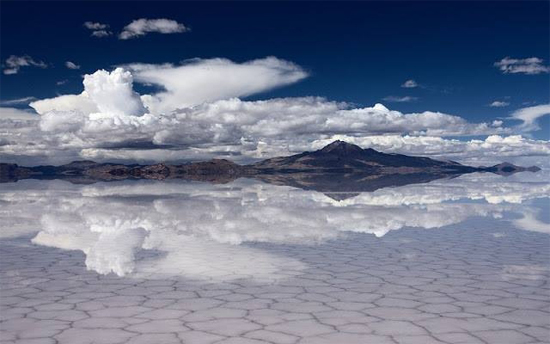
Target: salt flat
{"x": 458, "y": 261}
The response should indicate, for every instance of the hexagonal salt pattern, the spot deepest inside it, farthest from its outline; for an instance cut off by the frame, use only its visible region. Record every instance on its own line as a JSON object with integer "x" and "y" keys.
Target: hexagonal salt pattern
{"x": 480, "y": 279}
{"x": 459, "y": 284}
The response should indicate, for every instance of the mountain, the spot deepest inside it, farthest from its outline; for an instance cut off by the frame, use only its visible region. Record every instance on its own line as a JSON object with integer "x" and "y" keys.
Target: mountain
{"x": 340, "y": 156}
{"x": 340, "y": 169}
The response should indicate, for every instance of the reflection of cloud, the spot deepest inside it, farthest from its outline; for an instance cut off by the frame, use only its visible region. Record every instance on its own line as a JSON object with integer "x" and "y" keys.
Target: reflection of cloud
{"x": 529, "y": 222}
{"x": 195, "y": 227}
{"x": 523, "y": 272}
{"x": 199, "y": 259}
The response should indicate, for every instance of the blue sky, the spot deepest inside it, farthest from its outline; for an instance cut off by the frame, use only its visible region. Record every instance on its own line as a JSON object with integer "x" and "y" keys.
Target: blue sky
{"x": 355, "y": 52}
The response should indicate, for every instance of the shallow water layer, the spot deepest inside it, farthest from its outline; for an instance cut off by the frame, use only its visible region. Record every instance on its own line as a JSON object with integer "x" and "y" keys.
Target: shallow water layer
{"x": 455, "y": 261}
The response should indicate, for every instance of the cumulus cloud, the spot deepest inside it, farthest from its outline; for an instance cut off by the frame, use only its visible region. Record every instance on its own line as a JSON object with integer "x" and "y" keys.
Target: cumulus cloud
{"x": 141, "y": 27}
{"x": 98, "y": 29}
{"x": 487, "y": 152}
{"x": 410, "y": 84}
{"x": 531, "y": 65}
{"x": 530, "y": 115}
{"x": 14, "y": 63}
{"x": 196, "y": 117}
{"x": 499, "y": 103}
{"x": 398, "y": 99}
{"x": 113, "y": 93}
{"x": 250, "y": 128}
{"x": 71, "y": 65}
{"x": 106, "y": 94}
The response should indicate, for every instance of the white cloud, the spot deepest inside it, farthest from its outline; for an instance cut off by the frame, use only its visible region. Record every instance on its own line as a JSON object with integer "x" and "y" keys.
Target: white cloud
{"x": 113, "y": 93}
{"x": 68, "y": 102}
{"x": 16, "y": 114}
{"x": 95, "y": 26}
{"x": 530, "y": 221}
{"x": 71, "y": 65}
{"x": 106, "y": 94}
{"x": 530, "y": 115}
{"x": 98, "y": 29}
{"x": 18, "y": 101}
{"x": 398, "y": 99}
{"x": 198, "y": 81}
{"x": 141, "y": 27}
{"x": 499, "y": 103}
{"x": 14, "y": 63}
{"x": 101, "y": 33}
{"x": 409, "y": 84}
{"x": 531, "y": 65}
{"x": 61, "y": 82}
{"x": 196, "y": 117}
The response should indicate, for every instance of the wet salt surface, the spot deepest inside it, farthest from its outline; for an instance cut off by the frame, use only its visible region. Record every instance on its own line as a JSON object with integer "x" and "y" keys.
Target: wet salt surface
{"x": 458, "y": 261}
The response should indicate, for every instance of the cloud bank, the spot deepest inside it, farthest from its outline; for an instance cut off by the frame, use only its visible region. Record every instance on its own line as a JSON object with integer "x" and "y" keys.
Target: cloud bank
{"x": 197, "y": 115}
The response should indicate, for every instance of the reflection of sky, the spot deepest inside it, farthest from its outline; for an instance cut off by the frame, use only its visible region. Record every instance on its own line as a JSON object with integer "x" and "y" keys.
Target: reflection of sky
{"x": 196, "y": 227}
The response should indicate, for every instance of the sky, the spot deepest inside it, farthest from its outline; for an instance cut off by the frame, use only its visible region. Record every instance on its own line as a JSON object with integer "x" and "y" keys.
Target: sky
{"x": 177, "y": 81}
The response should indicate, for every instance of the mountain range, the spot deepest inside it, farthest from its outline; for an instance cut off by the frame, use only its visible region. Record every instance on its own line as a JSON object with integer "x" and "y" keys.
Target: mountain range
{"x": 337, "y": 167}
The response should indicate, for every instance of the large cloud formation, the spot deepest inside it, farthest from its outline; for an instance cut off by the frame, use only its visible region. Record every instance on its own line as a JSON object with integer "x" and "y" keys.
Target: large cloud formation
{"x": 198, "y": 114}
{"x": 198, "y": 81}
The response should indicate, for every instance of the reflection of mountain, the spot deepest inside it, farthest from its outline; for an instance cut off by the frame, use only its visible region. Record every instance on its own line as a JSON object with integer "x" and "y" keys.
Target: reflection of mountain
{"x": 346, "y": 185}
{"x": 191, "y": 229}
{"x": 339, "y": 167}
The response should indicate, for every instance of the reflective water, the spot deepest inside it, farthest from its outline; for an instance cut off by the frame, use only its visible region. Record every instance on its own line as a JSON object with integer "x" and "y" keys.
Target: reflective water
{"x": 464, "y": 260}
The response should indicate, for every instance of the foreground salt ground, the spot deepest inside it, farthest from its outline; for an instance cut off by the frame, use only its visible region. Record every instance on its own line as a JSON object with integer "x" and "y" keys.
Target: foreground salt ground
{"x": 471, "y": 283}
{"x": 466, "y": 273}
